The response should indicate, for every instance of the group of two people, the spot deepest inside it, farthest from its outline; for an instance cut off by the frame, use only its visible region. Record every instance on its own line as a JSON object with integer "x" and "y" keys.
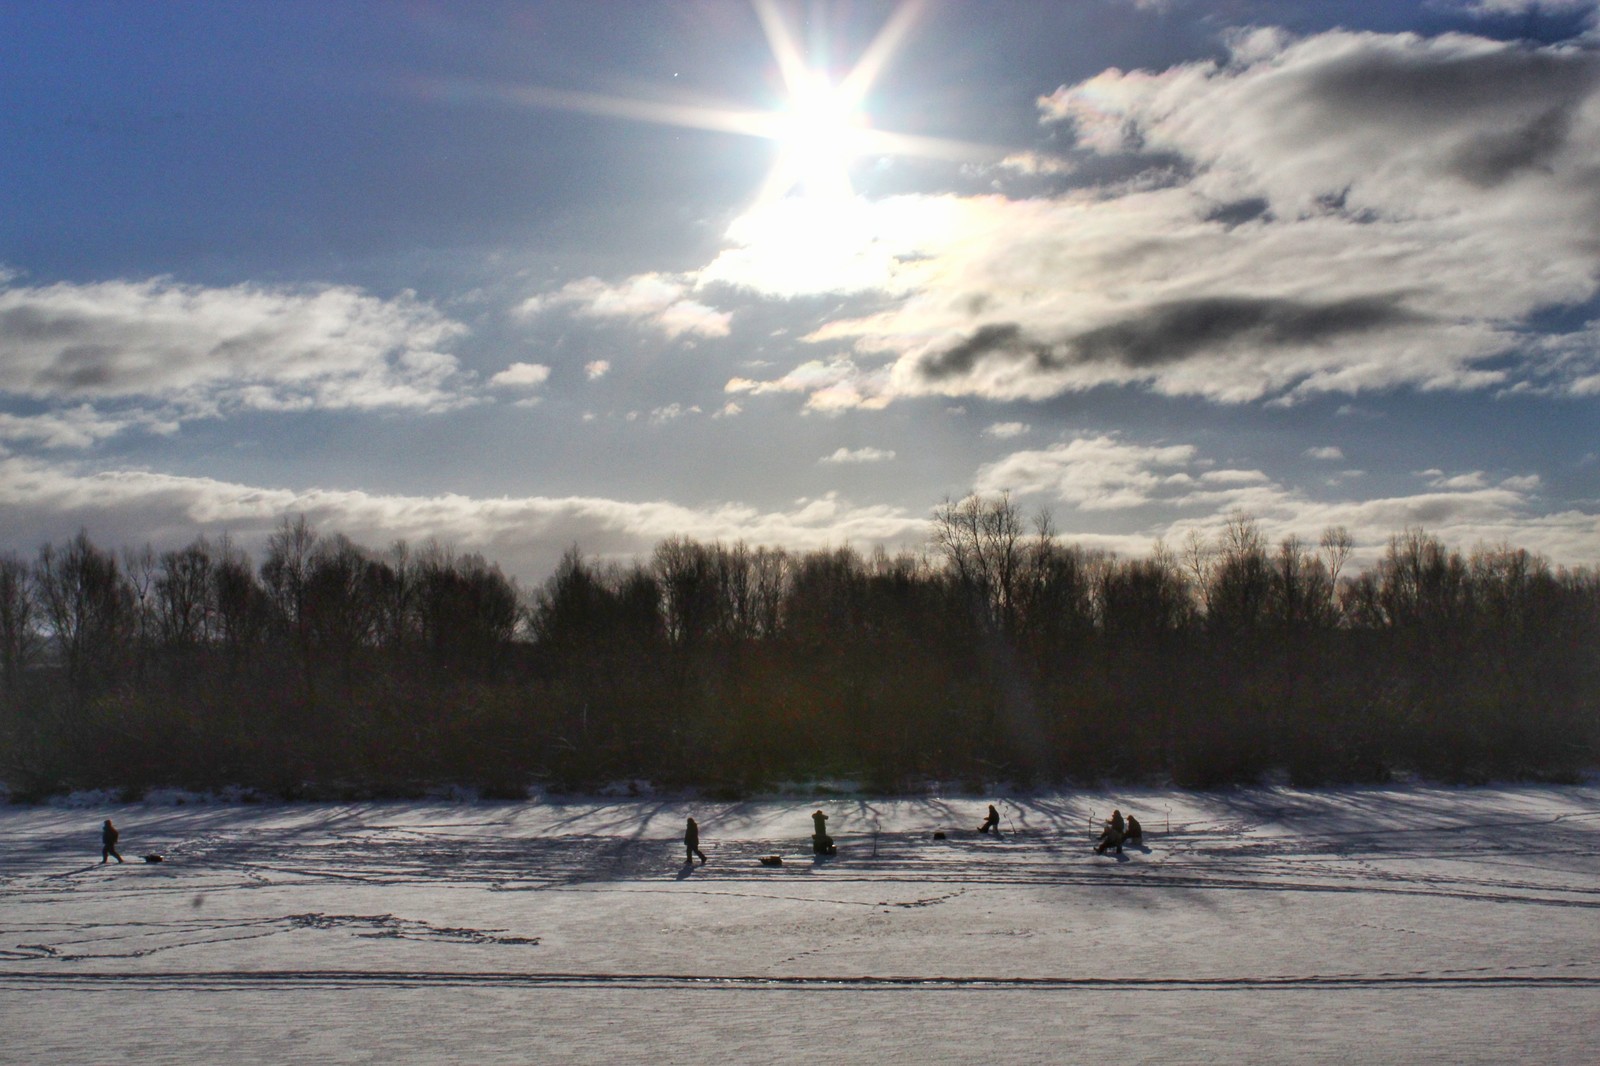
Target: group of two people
{"x": 1118, "y": 832}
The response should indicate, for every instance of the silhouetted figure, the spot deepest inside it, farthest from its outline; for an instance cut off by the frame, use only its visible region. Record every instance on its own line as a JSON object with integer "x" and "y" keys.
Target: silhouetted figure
{"x": 108, "y": 842}
{"x": 1134, "y": 834}
{"x": 691, "y": 843}
{"x": 991, "y": 822}
{"x": 1115, "y": 830}
{"x": 821, "y": 842}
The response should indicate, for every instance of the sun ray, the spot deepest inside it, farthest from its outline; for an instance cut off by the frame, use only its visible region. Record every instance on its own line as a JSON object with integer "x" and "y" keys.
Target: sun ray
{"x": 791, "y": 63}
{"x": 861, "y": 77}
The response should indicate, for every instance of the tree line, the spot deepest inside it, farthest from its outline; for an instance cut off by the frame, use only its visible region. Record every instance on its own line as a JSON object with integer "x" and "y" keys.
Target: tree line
{"x": 1001, "y": 651}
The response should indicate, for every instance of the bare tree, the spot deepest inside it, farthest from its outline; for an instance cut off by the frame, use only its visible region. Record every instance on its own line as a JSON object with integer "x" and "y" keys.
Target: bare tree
{"x": 286, "y": 574}
{"x": 1240, "y": 581}
{"x": 185, "y": 596}
{"x": 87, "y": 604}
{"x": 981, "y": 540}
{"x": 20, "y": 639}
{"x": 1337, "y": 544}
{"x": 1421, "y": 582}
{"x": 1302, "y": 591}
{"x": 243, "y": 612}
{"x": 686, "y": 570}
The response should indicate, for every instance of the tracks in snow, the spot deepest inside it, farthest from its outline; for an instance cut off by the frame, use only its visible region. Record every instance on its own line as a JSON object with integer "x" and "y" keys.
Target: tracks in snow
{"x": 224, "y": 980}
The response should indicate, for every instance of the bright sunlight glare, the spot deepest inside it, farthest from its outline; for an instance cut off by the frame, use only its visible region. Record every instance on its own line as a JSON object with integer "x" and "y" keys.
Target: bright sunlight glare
{"x": 821, "y": 131}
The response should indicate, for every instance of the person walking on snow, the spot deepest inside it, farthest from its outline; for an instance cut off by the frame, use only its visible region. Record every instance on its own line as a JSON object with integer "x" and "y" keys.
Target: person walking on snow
{"x": 991, "y": 822}
{"x": 108, "y": 842}
{"x": 691, "y": 843}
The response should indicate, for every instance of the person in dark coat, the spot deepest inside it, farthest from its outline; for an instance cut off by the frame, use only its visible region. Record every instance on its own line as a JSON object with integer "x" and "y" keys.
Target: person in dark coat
{"x": 821, "y": 842}
{"x": 991, "y": 822}
{"x": 1134, "y": 834}
{"x": 691, "y": 843}
{"x": 1112, "y": 837}
{"x": 108, "y": 842}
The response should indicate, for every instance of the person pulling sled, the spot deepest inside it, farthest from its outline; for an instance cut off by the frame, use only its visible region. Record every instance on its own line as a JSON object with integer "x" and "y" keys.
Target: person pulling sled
{"x": 821, "y": 842}
{"x": 108, "y": 843}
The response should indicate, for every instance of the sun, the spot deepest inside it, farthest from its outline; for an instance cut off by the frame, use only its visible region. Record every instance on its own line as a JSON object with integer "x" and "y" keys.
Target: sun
{"x": 819, "y": 133}
{"x": 820, "y": 129}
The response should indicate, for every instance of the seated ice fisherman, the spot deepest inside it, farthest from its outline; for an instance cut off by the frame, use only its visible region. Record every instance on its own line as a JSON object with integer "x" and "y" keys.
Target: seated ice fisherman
{"x": 821, "y": 842}
{"x": 1113, "y": 834}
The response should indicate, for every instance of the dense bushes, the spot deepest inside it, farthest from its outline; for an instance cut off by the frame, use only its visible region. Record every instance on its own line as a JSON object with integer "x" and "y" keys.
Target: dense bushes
{"x": 1003, "y": 653}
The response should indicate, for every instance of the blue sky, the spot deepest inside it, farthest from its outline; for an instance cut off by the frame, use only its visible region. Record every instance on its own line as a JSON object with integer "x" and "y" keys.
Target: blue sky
{"x": 522, "y": 275}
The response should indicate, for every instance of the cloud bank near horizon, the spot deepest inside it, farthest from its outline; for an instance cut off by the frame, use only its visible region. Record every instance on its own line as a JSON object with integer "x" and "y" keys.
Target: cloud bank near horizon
{"x": 1165, "y": 490}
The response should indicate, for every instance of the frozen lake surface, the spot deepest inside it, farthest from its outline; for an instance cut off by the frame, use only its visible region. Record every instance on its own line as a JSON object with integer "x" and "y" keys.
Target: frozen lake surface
{"x": 1345, "y": 926}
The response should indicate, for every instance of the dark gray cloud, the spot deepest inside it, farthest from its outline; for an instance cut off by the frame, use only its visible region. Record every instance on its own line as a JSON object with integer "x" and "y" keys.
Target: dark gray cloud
{"x": 1003, "y": 339}
{"x": 1171, "y": 332}
{"x": 1238, "y": 212}
{"x": 1492, "y": 159}
{"x": 1398, "y": 86}
{"x": 1522, "y": 100}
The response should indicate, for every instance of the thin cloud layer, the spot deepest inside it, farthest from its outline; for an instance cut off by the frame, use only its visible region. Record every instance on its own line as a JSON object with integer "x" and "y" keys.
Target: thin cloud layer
{"x": 525, "y": 535}
{"x": 659, "y": 301}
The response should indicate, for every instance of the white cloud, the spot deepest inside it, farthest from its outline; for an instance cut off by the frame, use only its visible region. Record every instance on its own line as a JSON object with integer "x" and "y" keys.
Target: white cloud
{"x": 597, "y": 369}
{"x": 1091, "y": 473}
{"x": 672, "y": 412}
{"x": 521, "y": 376}
{"x": 858, "y": 455}
{"x": 661, "y": 301}
{"x": 80, "y": 427}
{"x": 1232, "y": 477}
{"x": 1330, "y": 453}
{"x": 1007, "y": 430}
{"x": 1035, "y": 163}
{"x": 829, "y": 386}
{"x": 1474, "y": 480}
{"x": 203, "y": 351}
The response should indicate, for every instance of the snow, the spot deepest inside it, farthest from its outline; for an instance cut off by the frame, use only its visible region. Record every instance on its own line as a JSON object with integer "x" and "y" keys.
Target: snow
{"x": 1414, "y": 924}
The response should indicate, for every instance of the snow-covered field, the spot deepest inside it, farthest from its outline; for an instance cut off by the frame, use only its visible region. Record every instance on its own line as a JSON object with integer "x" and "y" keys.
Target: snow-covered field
{"x": 1346, "y": 926}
